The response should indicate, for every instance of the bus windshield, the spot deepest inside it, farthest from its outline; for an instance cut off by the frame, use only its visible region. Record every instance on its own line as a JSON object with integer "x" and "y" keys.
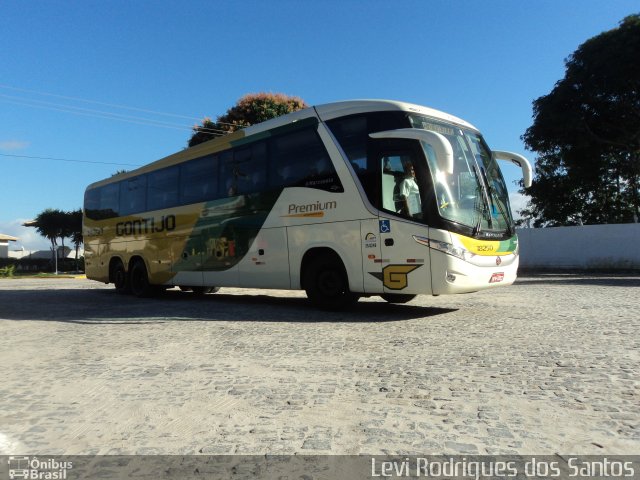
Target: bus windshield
{"x": 475, "y": 193}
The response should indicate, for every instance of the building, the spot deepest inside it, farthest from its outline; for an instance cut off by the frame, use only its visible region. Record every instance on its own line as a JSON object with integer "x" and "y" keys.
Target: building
{"x": 66, "y": 252}
{"x": 4, "y": 244}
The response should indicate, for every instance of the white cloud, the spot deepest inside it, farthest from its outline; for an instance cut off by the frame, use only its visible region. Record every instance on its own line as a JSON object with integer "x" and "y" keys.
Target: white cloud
{"x": 13, "y": 145}
{"x": 28, "y": 237}
{"x": 518, "y": 202}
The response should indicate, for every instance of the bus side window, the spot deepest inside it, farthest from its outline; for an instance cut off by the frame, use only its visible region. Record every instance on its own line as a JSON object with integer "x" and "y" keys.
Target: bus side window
{"x": 198, "y": 180}
{"x": 288, "y": 157}
{"x": 162, "y": 188}
{"x": 247, "y": 172}
{"x": 352, "y": 135}
{"x": 300, "y": 159}
{"x": 258, "y": 168}
{"x": 110, "y": 200}
{"x": 133, "y": 195}
{"x": 229, "y": 174}
{"x": 92, "y": 203}
{"x": 102, "y": 202}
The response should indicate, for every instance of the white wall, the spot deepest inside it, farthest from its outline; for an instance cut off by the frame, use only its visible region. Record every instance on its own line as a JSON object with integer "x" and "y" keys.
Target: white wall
{"x": 589, "y": 246}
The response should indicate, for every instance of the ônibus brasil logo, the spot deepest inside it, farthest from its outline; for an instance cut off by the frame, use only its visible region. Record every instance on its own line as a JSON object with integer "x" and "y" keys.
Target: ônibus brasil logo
{"x": 38, "y": 469}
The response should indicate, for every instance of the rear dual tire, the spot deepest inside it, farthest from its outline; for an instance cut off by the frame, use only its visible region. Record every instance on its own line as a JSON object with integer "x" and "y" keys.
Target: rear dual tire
{"x": 199, "y": 290}
{"x": 120, "y": 278}
{"x": 139, "y": 280}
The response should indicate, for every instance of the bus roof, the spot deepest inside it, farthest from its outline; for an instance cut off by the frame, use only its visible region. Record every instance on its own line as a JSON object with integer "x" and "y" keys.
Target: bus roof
{"x": 333, "y": 110}
{"x": 325, "y": 112}
{"x": 350, "y": 107}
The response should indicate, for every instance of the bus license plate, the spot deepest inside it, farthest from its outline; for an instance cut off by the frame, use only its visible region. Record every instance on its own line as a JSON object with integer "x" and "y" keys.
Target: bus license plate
{"x": 497, "y": 277}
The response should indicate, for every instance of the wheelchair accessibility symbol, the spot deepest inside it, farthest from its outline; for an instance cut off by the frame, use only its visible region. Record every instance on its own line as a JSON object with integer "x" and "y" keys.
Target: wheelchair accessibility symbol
{"x": 385, "y": 226}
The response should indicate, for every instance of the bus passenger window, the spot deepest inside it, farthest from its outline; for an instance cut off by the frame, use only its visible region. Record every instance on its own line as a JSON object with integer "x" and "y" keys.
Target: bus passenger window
{"x": 110, "y": 200}
{"x": 258, "y": 168}
{"x": 300, "y": 160}
{"x": 246, "y": 173}
{"x": 162, "y": 188}
{"x": 92, "y": 203}
{"x": 133, "y": 195}
{"x": 198, "y": 180}
{"x": 229, "y": 174}
{"x": 102, "y": 202}
{"x": 290, "y": 156}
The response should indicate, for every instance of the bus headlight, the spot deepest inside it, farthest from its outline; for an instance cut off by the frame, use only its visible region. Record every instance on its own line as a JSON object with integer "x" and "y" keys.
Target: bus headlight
{"x": 449, "y": 249}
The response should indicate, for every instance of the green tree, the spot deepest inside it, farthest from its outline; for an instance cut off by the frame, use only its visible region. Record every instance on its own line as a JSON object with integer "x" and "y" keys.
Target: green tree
{"x": 75, "y": 220}
{"x": 587, "y": 135}
{"x": 251, "y": 109}
{"x": 66, "y": 228}
{"x": 54, "y": 224}
{"x": 49, "y": 223}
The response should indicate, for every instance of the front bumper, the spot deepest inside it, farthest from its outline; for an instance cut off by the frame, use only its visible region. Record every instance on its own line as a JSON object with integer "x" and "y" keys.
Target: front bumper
{"x": 450, "y": 275}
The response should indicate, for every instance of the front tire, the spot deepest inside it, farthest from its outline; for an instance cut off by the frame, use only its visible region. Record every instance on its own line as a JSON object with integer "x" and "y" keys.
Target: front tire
{"x": 139, "y": 280}
{"x": 397, "y": 297}
{"x": 204, "y": 290}
{"x": 326, "y": 283}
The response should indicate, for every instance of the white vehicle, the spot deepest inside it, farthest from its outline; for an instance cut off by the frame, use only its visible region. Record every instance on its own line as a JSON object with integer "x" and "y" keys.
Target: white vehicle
{"x": 343, "y": 200}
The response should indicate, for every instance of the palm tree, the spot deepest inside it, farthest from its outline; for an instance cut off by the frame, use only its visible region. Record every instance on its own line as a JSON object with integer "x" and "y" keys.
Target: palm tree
{"x": 53, "y": 224}
{"x": 66, "y": 227}
{"x": 49, "y": 223}
{"x": 76, "y": 231}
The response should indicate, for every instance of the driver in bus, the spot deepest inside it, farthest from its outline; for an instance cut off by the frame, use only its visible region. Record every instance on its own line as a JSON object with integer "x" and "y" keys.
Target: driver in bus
{"x": 410, "y": 193}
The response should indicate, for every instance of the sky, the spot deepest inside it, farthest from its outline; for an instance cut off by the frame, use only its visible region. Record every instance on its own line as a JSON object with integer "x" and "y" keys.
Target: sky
{"x": 93, "y": 87}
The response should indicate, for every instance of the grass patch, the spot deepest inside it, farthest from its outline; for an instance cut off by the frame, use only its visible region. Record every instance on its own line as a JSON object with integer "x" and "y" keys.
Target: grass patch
{"x": 27, "y": 275}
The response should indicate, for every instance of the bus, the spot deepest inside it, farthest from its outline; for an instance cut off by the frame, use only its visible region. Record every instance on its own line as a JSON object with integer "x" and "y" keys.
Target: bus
{"x": 342, "y": 200}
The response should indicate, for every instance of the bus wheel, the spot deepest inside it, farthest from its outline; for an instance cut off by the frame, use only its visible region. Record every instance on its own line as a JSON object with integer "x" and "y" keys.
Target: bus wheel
{"x": 398, "y": 297}
{"x": 120, "y": 278}
{"x": 139, "y": 280}
{"x": 326, "y": 283}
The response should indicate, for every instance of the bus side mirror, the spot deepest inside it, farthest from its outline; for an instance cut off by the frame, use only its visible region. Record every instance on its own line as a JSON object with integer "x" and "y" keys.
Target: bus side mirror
{"x": 519, "y": 160}
{"x": 439, "y": 143}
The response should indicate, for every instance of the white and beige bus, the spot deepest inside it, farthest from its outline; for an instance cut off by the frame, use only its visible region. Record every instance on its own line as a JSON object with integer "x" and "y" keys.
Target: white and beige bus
{"x": 343, "y": 200}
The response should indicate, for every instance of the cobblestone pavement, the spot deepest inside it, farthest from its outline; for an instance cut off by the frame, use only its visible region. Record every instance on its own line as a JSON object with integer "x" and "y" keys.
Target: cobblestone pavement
{"x": 548, "y": 365}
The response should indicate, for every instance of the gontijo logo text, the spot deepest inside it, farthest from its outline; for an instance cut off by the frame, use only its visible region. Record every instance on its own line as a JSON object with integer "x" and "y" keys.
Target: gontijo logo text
{"x": 35, "y": 468}
{"x": 165, "y": 223}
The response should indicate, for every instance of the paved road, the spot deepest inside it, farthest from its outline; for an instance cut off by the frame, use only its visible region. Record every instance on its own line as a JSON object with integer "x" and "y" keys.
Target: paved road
{"x": 548, "y": 365}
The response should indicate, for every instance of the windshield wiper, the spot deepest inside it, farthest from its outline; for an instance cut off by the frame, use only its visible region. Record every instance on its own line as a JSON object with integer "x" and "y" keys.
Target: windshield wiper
{"x": 494, "y": 200}
{"x": 486, "y": 203}
{"x": 480, "y": 207}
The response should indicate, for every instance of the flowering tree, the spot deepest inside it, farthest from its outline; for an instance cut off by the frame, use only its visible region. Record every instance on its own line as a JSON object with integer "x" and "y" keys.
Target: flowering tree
{"x": 251, "y": 109}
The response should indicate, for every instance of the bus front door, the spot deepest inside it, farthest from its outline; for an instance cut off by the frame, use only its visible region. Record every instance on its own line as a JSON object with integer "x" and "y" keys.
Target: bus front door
{"x": 371, "y": 258}
{"x": 406, "y": 265}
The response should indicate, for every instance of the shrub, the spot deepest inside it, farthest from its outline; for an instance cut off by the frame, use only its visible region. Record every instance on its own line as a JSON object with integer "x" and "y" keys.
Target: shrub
{"x": 7, "y": 271}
